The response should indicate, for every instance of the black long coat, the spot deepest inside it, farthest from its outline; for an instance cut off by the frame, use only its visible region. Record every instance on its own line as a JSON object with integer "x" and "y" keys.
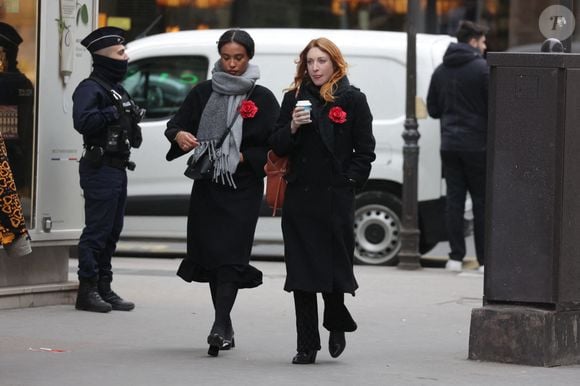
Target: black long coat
{"x": 222, "y": 220}
{"x": 327, "y": 161}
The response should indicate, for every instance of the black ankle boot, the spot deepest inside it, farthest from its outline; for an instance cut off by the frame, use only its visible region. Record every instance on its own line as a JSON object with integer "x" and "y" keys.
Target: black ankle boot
{"x": 336, "y": 343}
{"x": 109, "y": 296}
{"x": 304, "y": 357}
{"x": 88, "y": 298}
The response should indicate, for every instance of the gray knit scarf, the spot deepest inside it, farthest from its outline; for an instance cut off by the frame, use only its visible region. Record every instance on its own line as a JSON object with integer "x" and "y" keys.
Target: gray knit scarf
{"x": 220, "y": 110}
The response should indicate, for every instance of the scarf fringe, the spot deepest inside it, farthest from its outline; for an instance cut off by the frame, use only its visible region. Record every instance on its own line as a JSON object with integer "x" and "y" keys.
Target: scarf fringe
{"x": 221, "y": 173}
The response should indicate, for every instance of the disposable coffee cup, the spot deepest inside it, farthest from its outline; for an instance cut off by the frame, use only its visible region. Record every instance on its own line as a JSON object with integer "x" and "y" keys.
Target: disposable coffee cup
{"x": 305, "y": 104}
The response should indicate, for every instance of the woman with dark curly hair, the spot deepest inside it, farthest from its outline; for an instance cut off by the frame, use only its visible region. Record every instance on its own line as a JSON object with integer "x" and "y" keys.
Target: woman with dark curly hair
{"x": 230, "y": 117}
{"x": 331, "y": 149}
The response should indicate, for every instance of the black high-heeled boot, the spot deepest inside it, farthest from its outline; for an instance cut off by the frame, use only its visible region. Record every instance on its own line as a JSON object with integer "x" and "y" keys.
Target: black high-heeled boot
{"x": 336, "y": 343}
{"x": 225, "y": 296}
{"x": 304, "y": 357}
{"x": 215, "y": 339}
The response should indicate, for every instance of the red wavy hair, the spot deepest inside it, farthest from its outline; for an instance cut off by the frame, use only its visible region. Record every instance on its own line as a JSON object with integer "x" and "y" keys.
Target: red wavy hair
{"x": 338, "y": 63}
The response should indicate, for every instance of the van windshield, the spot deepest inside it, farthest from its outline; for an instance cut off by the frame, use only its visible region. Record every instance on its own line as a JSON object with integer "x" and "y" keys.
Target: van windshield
{"x": 160, "y": 84}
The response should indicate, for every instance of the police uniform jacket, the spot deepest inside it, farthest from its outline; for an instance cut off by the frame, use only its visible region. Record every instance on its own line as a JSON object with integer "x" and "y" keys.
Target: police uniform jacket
{"x": 17, "y": 90}
{"x": 94, "y": 111}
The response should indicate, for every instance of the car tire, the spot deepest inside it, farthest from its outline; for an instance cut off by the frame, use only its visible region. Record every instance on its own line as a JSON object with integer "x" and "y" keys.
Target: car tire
{"x": 377, "y": 228}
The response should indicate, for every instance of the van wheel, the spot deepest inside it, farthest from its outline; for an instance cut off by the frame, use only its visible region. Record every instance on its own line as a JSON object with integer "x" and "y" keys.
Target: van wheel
{"x": 377, "y": 228}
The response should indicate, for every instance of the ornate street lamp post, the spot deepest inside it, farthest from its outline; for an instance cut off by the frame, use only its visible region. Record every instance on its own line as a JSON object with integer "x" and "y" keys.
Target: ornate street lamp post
{"x": 409, "y": 256}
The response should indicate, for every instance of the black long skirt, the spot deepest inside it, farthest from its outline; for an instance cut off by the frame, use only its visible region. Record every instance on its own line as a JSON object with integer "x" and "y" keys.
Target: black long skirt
{"x": 220, "y": 232}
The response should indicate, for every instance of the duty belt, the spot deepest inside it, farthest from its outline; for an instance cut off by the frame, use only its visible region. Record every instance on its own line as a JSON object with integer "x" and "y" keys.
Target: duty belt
{"x": 116, "y": 162}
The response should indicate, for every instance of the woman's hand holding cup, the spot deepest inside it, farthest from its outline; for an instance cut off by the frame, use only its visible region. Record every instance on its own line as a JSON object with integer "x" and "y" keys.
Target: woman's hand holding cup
{"x": 300, "y": 115}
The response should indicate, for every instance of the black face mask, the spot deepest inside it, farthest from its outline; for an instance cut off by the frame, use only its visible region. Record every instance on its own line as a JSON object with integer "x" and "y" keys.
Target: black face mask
{"x": 111, "y": 69}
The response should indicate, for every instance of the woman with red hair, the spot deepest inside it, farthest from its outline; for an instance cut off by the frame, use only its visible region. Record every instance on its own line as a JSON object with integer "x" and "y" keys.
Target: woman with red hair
{"x": 330, "y": 148}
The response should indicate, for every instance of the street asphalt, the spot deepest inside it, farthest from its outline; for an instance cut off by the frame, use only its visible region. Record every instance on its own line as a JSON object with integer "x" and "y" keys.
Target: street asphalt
{"x": 413, "y": 330}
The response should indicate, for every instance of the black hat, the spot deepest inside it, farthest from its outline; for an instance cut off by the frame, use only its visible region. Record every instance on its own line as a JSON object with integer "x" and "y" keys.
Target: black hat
{"x": 8, "y": 35}
{"x": 103, "y": 37}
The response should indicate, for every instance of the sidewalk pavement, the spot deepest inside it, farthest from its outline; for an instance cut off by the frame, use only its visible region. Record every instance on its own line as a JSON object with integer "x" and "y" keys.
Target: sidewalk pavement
{"x": 413, "y": 330}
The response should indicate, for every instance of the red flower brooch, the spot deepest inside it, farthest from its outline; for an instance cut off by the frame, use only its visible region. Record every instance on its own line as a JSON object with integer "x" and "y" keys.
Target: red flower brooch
{"x": 337, "y": 115}
{"x": 248, "y": 109}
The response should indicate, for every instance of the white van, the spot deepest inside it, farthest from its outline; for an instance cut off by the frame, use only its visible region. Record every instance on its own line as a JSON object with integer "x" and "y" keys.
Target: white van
{"x": 164, "y": 67}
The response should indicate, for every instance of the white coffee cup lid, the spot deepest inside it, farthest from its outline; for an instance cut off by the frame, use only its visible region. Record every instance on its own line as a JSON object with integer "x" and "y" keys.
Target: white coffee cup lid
{"x": 303, "y": 103}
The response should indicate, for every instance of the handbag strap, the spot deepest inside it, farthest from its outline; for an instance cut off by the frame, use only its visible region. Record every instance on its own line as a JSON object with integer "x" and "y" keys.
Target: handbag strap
{"x": 237, "y": 113}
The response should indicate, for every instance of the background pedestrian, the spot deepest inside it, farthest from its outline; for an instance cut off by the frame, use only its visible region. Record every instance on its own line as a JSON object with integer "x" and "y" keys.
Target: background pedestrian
{"x": 458, "y": 97}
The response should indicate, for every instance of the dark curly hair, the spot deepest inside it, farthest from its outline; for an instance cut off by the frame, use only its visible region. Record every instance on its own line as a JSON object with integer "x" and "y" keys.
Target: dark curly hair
{"x": 469, "y": 30}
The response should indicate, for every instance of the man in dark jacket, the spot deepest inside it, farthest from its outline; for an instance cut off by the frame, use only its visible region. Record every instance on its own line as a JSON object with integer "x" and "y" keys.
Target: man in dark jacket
{"x": 458, "y": 97}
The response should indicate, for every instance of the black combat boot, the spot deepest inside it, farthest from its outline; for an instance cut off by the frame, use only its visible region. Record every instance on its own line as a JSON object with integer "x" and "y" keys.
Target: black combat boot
{"x": 88, "y": 298}
{"x": 111, "y": 297}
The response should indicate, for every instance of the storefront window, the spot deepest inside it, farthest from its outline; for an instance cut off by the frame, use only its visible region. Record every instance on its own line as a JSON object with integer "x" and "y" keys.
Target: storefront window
{"x": 18, "y": 47}
{"x": 513, "y": 24}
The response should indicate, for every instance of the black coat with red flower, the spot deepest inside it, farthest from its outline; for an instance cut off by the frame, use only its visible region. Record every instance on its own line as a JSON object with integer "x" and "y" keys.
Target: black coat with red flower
{"x": 329, "y": 158}
{"x": 222, "y": 220}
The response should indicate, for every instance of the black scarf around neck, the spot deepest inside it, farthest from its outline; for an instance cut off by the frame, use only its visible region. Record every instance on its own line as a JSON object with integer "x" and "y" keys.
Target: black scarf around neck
{"x": 109, "y": 69}
{"x": 321, "y": 108}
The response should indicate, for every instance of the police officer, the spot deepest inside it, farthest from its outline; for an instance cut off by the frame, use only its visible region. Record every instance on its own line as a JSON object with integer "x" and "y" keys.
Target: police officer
{"x": 105, "y": 115}
{"x": 17, "y": 96}
{"x": 16, "y": 129}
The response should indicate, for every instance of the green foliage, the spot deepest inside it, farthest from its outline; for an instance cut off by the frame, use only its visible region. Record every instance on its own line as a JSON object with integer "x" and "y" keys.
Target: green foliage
{"x": 61, "y": 25}
{"x": 83, "y": 14}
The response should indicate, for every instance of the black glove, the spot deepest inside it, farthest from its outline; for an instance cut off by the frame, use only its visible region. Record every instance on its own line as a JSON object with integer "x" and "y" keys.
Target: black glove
{"x": 131, "y": 108}
{"x": 136, "y": 137}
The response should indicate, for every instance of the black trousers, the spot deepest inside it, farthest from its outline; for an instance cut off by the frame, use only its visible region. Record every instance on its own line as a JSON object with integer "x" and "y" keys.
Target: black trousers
{"x": 464, "y": 171}
{"x": 336, "y": 318}
{"x": 105, "y": 192}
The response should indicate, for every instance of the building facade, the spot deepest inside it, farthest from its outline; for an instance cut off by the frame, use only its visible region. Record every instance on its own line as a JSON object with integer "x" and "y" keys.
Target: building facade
{"x": 512, "y": 23}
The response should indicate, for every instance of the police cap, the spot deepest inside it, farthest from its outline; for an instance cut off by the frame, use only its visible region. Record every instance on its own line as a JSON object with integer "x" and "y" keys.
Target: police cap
{"x": 103, "y": 37}
{"x": 8, "y": 35}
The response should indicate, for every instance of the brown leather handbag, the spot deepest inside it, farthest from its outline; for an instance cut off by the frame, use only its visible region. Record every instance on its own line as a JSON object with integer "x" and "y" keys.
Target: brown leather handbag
{"x": 276, "y": 168}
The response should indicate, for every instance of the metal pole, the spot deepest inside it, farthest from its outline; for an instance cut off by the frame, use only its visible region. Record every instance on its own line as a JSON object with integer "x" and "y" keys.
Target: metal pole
{"x": 567, "y": 43}
{"x": 431, "y": 17}
{"x": 343, "y": 15}
{"x": 479, "y": 10}
{"x": 409, "y": 257}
